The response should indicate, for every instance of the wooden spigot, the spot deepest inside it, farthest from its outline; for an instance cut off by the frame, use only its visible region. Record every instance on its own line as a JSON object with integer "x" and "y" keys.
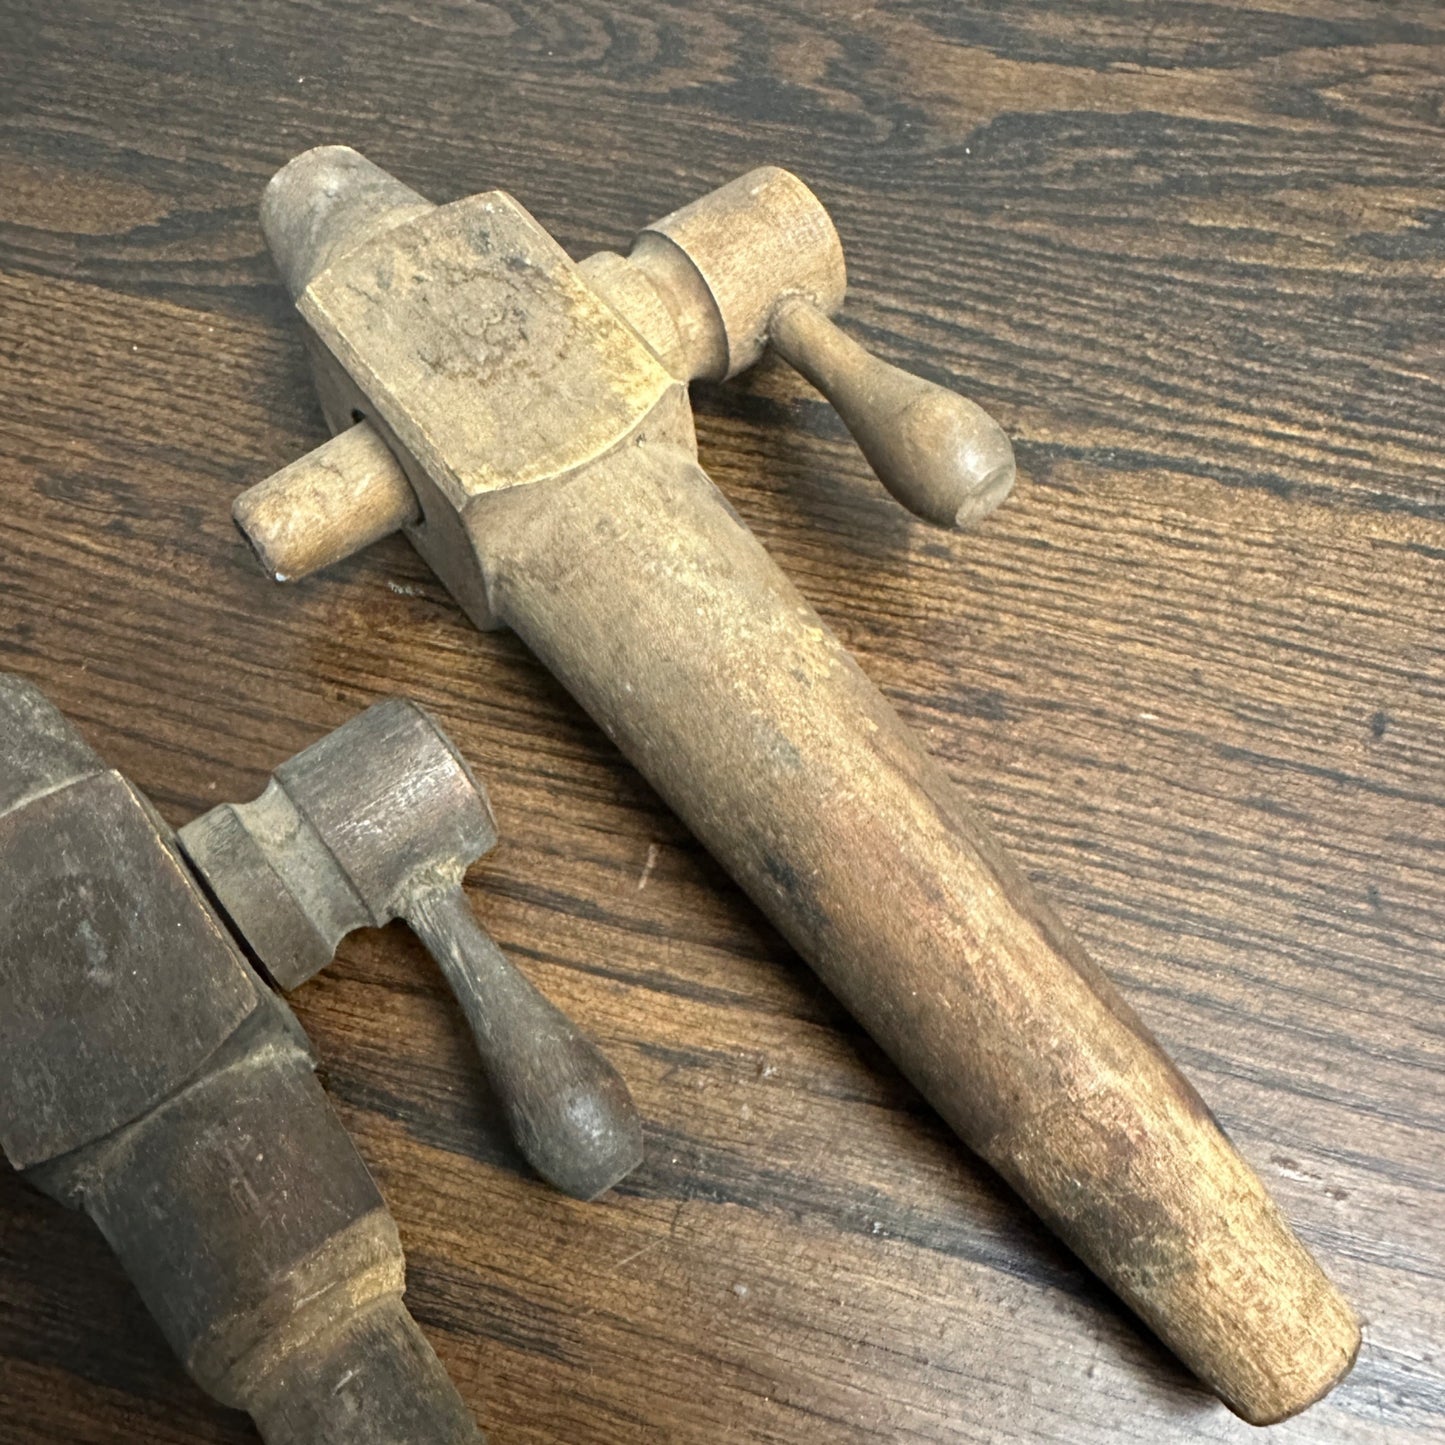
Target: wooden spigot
{"x": 379, "y": 820}
{"x": 544, "y": 463}
{"x": 708, "y": 299}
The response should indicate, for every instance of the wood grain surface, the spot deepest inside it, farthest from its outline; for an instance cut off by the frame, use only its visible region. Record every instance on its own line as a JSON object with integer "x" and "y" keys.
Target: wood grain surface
{"x": 1193, "y": 257}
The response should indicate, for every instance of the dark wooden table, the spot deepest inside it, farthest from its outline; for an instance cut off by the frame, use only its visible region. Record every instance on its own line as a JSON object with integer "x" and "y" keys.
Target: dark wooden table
{"x": 1191, "y": 255}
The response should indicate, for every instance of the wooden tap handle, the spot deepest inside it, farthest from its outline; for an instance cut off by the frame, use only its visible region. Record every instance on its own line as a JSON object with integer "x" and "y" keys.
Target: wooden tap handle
{"x": 568, "y": 1108}
{"x": 938, "y": 453}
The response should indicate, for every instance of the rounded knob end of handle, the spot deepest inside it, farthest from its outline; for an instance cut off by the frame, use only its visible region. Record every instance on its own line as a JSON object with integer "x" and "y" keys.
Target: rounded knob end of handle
{"x": 581, "y": 1132}
{"x": 567, "y": 1108}
{"x": 943, "y": 456}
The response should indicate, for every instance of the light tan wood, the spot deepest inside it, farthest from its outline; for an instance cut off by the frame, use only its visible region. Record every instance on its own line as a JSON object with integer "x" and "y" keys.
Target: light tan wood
{"x": 897, "y": 894}
{"x": 938, "y": 453}
{"x": 757, "y": 262}
{"x": 676, "y": 326}
{"x": 759, "y": 237}
{"x": 326, "y": 506}
{"x": 555, "y": 468}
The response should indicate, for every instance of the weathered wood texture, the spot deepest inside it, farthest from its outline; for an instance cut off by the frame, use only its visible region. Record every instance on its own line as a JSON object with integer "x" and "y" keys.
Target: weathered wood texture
{"x": 1191, "y": 255}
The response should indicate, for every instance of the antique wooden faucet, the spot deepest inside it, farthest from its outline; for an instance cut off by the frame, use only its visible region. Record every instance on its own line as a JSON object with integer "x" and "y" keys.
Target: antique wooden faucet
{"x": 148, "y": 1075}
{"x": 525, "y": 421}
{"x": 379, "y": 820}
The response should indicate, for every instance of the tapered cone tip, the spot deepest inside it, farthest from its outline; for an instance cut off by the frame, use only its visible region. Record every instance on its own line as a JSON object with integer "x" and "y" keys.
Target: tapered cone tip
{"x": 325, "y": 202}
{"x": 374, "y": 1380}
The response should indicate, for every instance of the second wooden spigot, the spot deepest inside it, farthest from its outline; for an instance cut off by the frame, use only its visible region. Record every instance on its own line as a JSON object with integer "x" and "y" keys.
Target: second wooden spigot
{"x": 379, "y": 820}
{"x": 525, "y": 420}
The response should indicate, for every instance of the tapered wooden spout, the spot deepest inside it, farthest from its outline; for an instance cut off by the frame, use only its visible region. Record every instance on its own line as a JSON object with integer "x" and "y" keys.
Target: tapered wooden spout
{"x": 668, "y": 621}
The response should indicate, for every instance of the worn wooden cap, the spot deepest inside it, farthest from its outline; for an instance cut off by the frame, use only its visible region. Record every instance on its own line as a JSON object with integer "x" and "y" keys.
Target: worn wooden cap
{"x": 324, "y": 202}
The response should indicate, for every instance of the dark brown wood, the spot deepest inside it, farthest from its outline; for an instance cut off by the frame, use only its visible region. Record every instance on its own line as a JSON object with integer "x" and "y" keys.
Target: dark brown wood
{"x": 177, "y": 1105}
{"x": 1192, "y": 670}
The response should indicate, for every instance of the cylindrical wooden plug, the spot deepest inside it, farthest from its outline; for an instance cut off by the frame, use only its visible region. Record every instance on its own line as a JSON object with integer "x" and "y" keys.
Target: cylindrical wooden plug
{"x": 945, "y": 458}
{"x": 326, "y": 506}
